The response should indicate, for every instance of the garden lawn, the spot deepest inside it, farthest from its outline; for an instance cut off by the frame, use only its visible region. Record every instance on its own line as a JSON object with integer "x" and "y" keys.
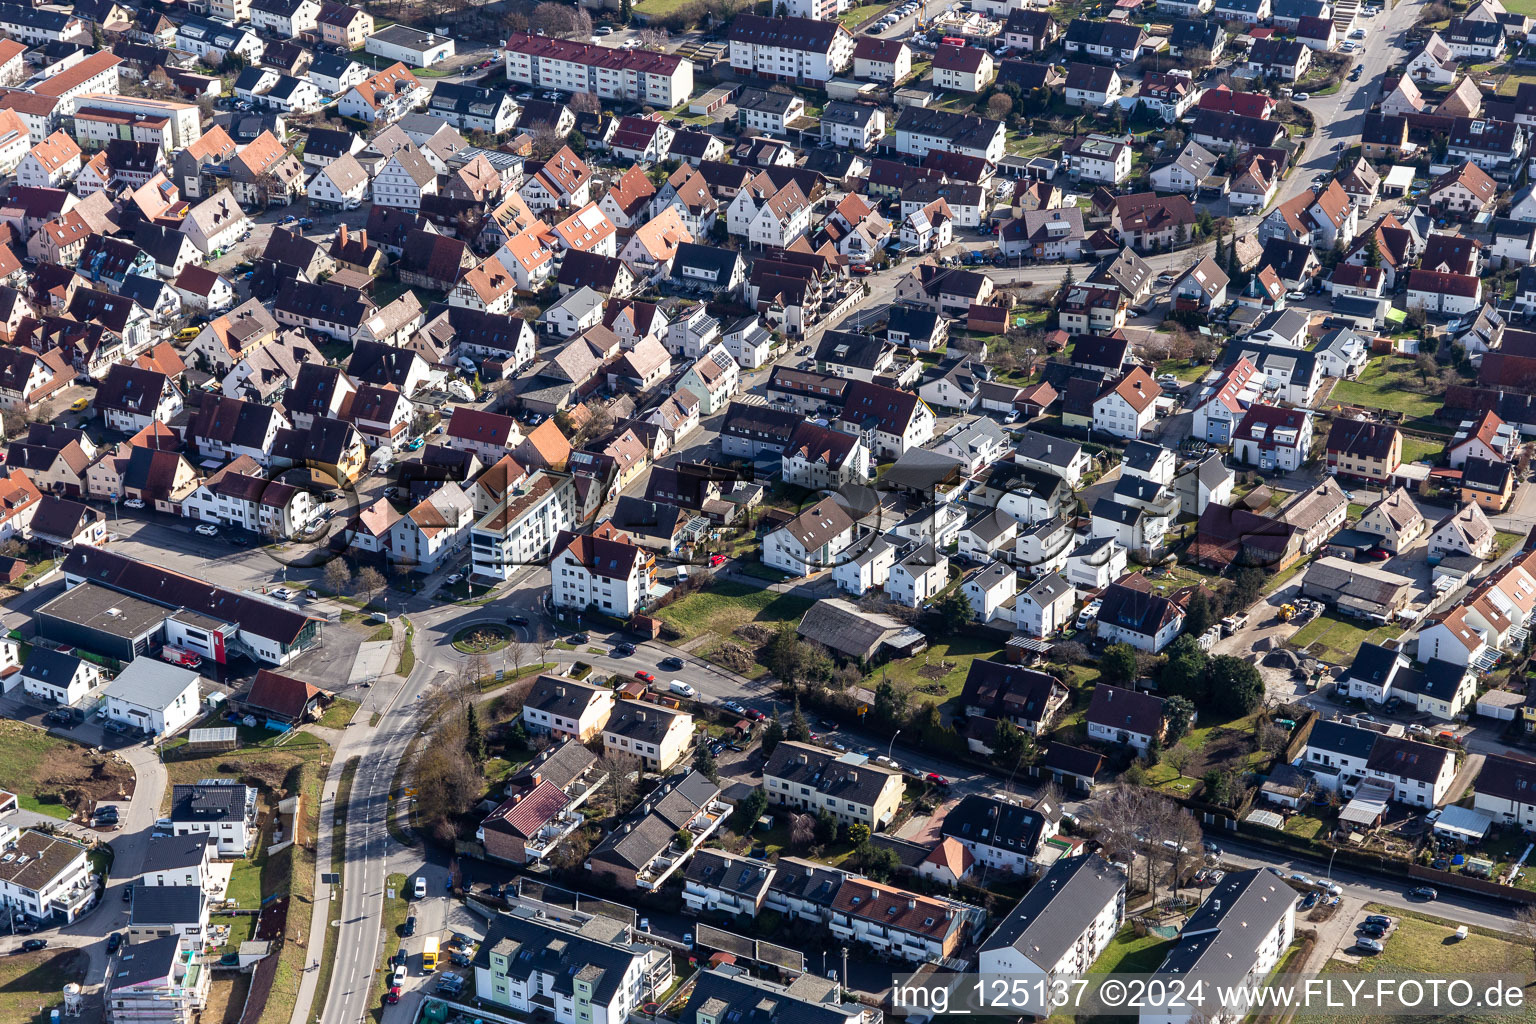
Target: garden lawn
{"x": 1527, "y": 7}
{"x": 1505, "y": 541}
{"x": 922, "y": 673}
{"x": 1416, "y": 449}
{"x": 856, "y": 16}
{"x": 1390, "y": 383}
{"x": 660, "y": 8}
{"x": 1336, "y": 640}
{"x": 1127, "y": 954}
{"x": 339, "y": 713}
{"x": 241, "y": 928}
{"x": 1183, "y": 369}
{"x": 725, "y": 607}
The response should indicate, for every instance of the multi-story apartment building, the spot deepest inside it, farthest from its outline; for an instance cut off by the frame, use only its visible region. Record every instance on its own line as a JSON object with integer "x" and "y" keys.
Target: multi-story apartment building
{"x": 790, "y": 49}
{"x": 521, "y": 529}
{"x": 639, "y": 76}
{"x": 565, "y": 707}
{"x": 1062, "y": 925}
{"x": 848, "y": 786}
{"x": 659, "y": 737}
{"x": 607, "y": 573}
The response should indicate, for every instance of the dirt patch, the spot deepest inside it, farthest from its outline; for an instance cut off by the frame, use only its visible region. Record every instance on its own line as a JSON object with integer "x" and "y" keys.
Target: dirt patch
{"x": 79, "y": 778}
{"x": 274, "y": 917}
{"x": 938, "y": 671}
{"x": 732, "y": 656}
{"x": 756, "y": 634}
{"x": 226, "y": 997}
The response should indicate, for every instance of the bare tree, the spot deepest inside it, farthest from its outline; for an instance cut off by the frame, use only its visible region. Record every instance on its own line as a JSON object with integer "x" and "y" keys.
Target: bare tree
{"x": 560, "y": 21}
{"x": 1525, "y": 933}
{"x": 369, "y": 582}
{"x": 802, "y": 830}
{"x": 338, "y": 578}
{"x": 518, "y": 653}
{"x": 652, "y": 38}
{"x": 546, "y": 141}
{"x": 585, "y": 103}
{"x": 619, "y": 787}
{"x": 1178, "y": 759}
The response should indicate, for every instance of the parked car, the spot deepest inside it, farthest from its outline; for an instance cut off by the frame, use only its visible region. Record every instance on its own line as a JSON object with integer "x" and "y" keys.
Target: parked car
{"x": 671, "y": 664}
{"x": 936, "y": 779}
{"x": 1381, "y": 919}
{"x": 33, "y": 945}
{"x": 733, "y": 707}
{"x": 113, "y": 942}
{"x": 644, "y": 676}
{"x": 206, "y": 529}
{"x": 410, "y": 926}
{"x": 679, "y": 687}
{"x": 1369, "y": 945}
{"x": 1372, "y": 931}
{"x": 624, "y": 649}
{"x": 134, "y": 503}
{"x": 421, "y": 886}
{"x": 1423, "y": 892}
{"x": 755, "y": 714}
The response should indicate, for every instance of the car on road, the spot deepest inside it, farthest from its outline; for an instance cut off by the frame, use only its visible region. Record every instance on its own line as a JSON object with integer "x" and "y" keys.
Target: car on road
{"x": 671, "y": 664}
{"x": 755, "y": 714}
{"x": 455, "y": 578}
{"x": 644, "y": 676}
{"x": 734, "y": 708}
{"x": 113, "y": 942}
{"x": 79, "y": 404}
{"x": 624, "y": 649}
{"x": 206, "y": 529}
{"x": 1369, "y": 945}
{"x": 936, "y": 779}
{"x": 680, "y": 687}
{"x": 134, "y": 503}
{"x": 33, "y": 945}
{"x": 580, "y": 638}
{"x": 1296, "y": 296}
{"x": 716, "y": 560}
{"x": 421, "y": 886}
{"x": 393, "y": 995}
{"x": 1423, "y": 892}
{"x": 517, "y": 620}
{"x": 410, "y": 926}
{"x": 1300, "y": 97}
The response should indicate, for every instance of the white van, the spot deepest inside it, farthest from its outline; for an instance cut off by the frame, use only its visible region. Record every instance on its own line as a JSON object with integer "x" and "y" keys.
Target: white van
{"x": 679, "y": 687}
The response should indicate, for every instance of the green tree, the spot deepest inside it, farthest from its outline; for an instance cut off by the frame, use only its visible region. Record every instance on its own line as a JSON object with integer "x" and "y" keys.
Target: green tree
{"x": 1184, "y": 672}
{"x": 704, "y": 761}
{"x": 626, "y": 11}
{"x": 1179, "y": 710}
{"x": 1236, "y": 686}
{"x": 1119, "y": 663}
{"x": 474, "y": 742}
{"x": 858, "y": 834}
{"x": 750, "y": 809}
{"x": 577, "y": 142}
{"x": 954, "y": 611}
{"x": 879, "y": 863}
{"x": 785, "y": 656}
{"x": 1223, "y": 785}
{"x": 772, "y": 736}
{"x": 1248, "y": 586}
{"x": 890, "y": 706}
{"x": 826, "y": 827}
{"x": 1199, "y": 615}
{"x": 1010, "y": 744}
{"x": 799, "y": 729}
{"x": 1372, "y": 252}
{"x": 683, "y": 838}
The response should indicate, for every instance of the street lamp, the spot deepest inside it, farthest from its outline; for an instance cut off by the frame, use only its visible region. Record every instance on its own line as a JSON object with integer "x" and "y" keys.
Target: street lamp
{"x": 890, "y": 746}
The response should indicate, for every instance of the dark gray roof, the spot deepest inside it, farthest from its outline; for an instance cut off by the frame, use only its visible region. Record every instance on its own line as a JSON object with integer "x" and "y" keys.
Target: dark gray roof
{"x": 143, "y": 962}
{"x": 1407, "y": 759}
{"x": 804, "y": 765}
{"x": 168, "y": 853}
{"x": 989, "y": 821}
{"x": 726, "y": 872}
{"x": 205, "y": 803}
{"x": 537, "y": 947}
{"x": 49, "y": 666}
{"x": 1220, "y": 942}
{"x": 1337, "y": 738}
{"x": 167, "y": 904}
{"x": 1056, "y": 911}
{"x": 728, "y": 993}
{"x": 806, "y": 881}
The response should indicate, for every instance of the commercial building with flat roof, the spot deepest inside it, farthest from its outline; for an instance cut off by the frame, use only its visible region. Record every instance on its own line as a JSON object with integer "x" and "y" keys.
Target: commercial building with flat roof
{"x": 102, "y": 621}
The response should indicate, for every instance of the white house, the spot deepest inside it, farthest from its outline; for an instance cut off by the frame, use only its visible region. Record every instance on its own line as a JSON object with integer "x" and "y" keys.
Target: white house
{"x": 1044, "y": 606}
{"x": 227, "y": 812}
{"x": 1062, "y": 925}
{"x": 58, "y": 677}
{"x": 917, "y": 576}
{"x": 816, "y": 539}
{"x": 154, "y": 696}
{"x": 609, "y": 574}
{"x": 1127, "y": 408}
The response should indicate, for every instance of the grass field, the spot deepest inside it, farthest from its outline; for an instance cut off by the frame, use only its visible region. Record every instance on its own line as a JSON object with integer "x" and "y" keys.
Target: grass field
{"x": 1337, "y": 640}
{"x": 856, "y": 16}
{"x": 1424, "y": 946}
{"x": 339, "y": 713}
{"x": 1416, "y": 449}
{"x": 1391, "y": 383}
{"x": 924, "y": 670}
{"x": 727, "y": 606}
{"x": 42, "y": 769}
{"x": 395, "y": 911}
{"x": 31, "y": 984}
{"x": 1126, "y": 954}
{"x": 1527, "y": 7}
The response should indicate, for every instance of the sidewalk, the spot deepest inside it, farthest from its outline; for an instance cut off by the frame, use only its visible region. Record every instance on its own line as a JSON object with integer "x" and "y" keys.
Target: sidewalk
{"x": 319, "y": 919}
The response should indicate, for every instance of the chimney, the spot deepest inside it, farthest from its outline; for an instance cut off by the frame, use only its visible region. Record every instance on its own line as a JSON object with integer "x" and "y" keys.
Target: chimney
{"x": 911, "y": 904}
{"x": 362, "y": 237}
{"x": 341, "y": 234}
